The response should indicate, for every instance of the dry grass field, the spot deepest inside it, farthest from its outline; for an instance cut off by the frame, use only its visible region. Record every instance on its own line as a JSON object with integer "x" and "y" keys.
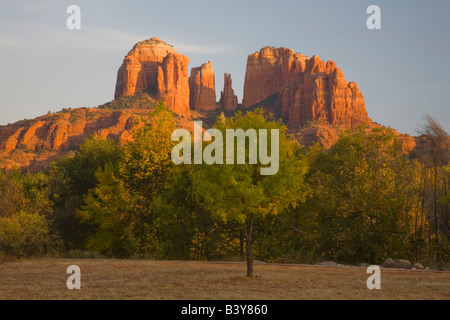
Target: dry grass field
{"x": 182, "y": 280}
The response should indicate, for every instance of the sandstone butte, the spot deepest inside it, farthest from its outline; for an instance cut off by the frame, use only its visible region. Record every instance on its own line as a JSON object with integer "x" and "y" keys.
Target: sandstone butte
{"x": 155, "y": 66}
{"x": 202, "y": 88}
{"x": 311, "y": 96}
{"x": 228, "y": 100}
{"x": 305, "y": 89}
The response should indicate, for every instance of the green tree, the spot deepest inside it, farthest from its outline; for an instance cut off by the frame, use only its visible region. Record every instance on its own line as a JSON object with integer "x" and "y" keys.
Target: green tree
{"x": 120, "y": 207}
{"x": 188, "y": 230}
{"x": 362, "y": 197}
{"x": 239, "y": 192}
{"x": 36, "y": 189}
{"x": 147, "y": 159}
{"x": 70, "y": 179}
{"x": 24, "y": 212}
{"x": 109, "y": 208}
{"x": 12, "y": 197}
{"x": 25, "y": 234}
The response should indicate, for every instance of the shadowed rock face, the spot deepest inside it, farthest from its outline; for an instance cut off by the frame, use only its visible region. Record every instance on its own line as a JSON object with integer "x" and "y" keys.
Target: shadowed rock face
{"x": 156, "y": 67}
{"x": 202, "y": 88}
{"x": 228, "y": 100}
{"x": 308, "y": 89}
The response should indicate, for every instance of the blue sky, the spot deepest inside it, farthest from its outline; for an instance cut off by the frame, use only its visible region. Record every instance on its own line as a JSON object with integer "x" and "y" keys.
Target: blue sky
{"x": 403, "y": 70}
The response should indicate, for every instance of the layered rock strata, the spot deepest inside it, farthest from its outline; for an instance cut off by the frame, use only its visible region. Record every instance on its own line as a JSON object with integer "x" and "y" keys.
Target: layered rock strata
{"x": 155, "y": 67}
{"x": 307, "y": 89}
{"x": 202, "y": 88}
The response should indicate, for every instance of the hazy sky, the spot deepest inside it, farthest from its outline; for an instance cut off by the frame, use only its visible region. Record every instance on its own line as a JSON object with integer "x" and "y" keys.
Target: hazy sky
{"x": 403, "y": 70}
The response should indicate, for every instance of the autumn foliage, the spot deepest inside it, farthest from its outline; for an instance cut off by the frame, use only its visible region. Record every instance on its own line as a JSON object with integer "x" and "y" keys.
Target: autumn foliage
{"x": 362, "y": 200}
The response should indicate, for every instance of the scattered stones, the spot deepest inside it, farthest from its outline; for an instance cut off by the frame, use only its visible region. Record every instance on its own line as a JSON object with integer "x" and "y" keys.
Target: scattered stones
{"x": 418, "y": 266}
{"x": 387, "y": 263}
{"x": 397, "y": 263}
{"x": 401, "y": 263}
{"x": 363, "y": 265}
{"x": 328, "y": 264}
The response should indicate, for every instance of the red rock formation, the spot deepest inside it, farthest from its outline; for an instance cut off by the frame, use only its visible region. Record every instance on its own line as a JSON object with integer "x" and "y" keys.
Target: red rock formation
{"x": 228, "y": 99}
{"x": 298, "y": 88}
{"x": 264, "y": 76}
{"x": 307, "y": 89}
{"x": 173, "y": 83}
{"x": 202, "y": 88}
{"x": 155, "y": 66}
{"x": 33, "y": 144}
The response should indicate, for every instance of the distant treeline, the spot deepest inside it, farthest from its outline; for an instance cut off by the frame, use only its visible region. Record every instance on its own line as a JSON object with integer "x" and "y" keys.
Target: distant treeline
{"x": 363, "y": 200}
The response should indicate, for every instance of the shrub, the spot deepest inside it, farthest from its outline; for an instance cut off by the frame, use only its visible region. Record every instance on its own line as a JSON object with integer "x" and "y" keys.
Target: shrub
{"x": 24, "y": 235}
{"x": 140, "y": 100}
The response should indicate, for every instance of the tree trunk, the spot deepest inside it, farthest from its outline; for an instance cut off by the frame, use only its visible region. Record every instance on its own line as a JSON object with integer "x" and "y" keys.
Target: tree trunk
{"x": 248, "y": 228}
{"x": 416, "y": 220}
{"x": 241, "y": 243}
{"x": 436, "y": 222}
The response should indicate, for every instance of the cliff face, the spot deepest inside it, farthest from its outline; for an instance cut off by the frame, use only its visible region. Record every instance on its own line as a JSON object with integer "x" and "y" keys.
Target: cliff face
{"x": 156, "y": 67}
{"x": 307, "y": 89}
{"x": 173, "y": 83}
{"x": 202, "y": 88}
{"x": 228, "y": 100}
{"x": 34, "y": 143}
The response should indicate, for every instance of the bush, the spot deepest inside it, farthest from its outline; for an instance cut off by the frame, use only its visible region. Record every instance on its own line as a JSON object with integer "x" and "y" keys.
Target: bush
{"x": 140, "y": 100}
{"x": 81, "y": 254}
{"x": 25, "y": 235}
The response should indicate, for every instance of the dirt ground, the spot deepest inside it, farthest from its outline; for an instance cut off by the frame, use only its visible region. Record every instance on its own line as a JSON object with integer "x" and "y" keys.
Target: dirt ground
{"x": 185, "y": 280}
